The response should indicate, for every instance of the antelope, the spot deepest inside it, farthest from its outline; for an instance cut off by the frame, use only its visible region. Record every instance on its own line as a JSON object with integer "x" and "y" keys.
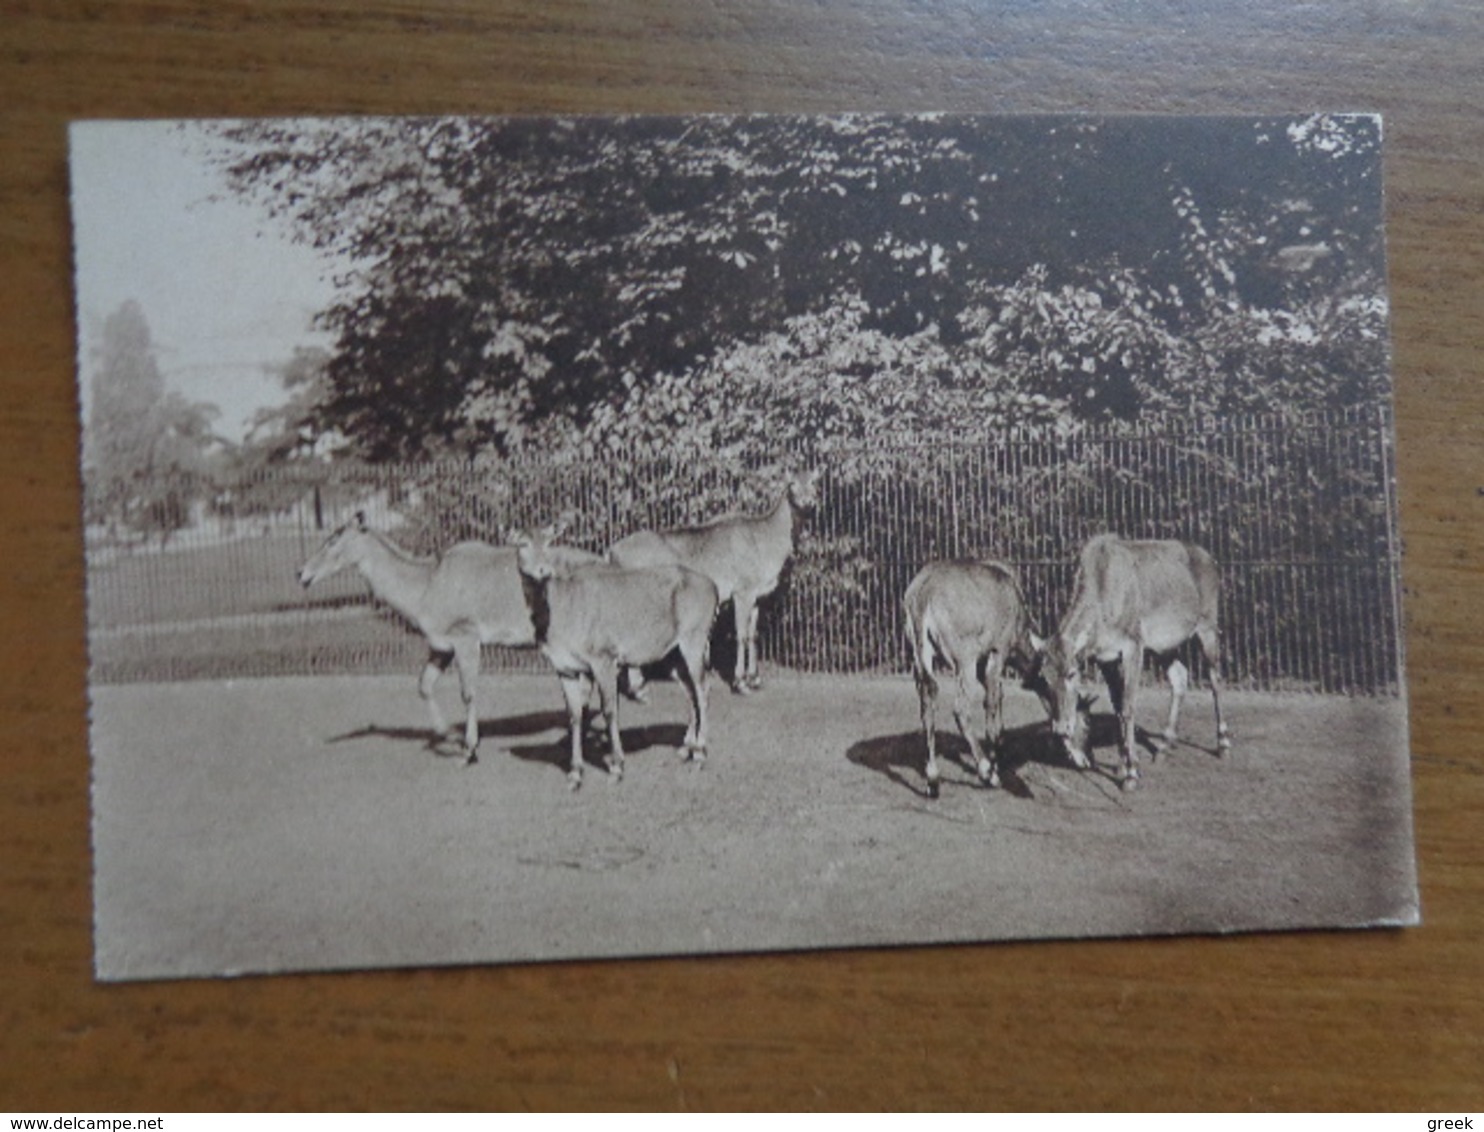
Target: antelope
{"x": 968, "y": 619}
{"x": 743, "y": 555}
{"x": 592, "y": 619}
{"x": 1131, "y": 597}
{"x": 468, "y": 596}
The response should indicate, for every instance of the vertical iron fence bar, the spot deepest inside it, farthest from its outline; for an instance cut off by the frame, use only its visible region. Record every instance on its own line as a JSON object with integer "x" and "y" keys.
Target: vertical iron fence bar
{"x": 1353, "y": 620}
{"x": 1323, "y": 640}
{"x": 1379, "y": 639}
{"x": 1365, "y": 643}
{"x": 904, "y": 553}
{"x": 1267, "y": 547}
{"x": 1234, "y": 454}
{"x": 953, "y": 545}
{"x": 834, "y": 528}
{"x": 1296, "y": 568}
{"x": 825, "y": 512}
{"x": 1257, "y": 663}
{"x": 1331, "y": 552}
{"x": 1359, "y": 627}
{"x": 1194, "y": 448}
{"x": 1386, "y": 456}
{"x": 1260, "y": 447}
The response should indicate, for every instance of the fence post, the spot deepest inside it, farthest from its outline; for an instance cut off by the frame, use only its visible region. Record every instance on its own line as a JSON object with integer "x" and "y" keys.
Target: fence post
{"x": 955, "y": 538}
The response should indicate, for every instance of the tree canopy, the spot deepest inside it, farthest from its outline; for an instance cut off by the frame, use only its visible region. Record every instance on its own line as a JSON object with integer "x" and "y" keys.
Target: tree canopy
{"x": 584, "y": 283}
{"x": 144, "y": 444}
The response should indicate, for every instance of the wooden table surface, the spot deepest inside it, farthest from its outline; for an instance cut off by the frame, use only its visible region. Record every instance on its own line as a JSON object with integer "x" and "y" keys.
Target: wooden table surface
{"x": 1371, "y": 1020}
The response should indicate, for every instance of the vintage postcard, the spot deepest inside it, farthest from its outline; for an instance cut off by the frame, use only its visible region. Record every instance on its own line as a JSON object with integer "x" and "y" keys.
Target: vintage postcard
{"x": 523, "y": 539}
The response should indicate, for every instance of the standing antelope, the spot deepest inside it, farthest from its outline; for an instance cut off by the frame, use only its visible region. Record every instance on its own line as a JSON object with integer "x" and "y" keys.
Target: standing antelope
{"x": 1130, "y": 597}
{"x": 968, "y": 619}
{"x": 468, "y": 596}
{"x": 593, "y": 619}
{"x": 743, "y": 555}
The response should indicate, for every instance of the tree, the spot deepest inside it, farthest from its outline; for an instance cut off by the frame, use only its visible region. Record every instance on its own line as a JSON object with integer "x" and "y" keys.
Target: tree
{"x": 146, "y": 448}
{"x": 513, "y": 280}
{"x": 295, "y": 429}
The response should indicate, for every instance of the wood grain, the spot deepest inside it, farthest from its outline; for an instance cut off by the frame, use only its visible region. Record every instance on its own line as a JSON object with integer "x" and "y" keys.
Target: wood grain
{"x": 1374, "y": 1020}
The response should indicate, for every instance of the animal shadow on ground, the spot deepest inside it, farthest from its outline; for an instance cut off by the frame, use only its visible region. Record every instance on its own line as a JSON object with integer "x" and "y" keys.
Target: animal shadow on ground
{"x": 1032, "y": 743}
{"x": 1105, "y": 732}
{"x": 892, "y": 755}
{"x": 530, "y": 723}
{"x": 554, "y": 752}
{"x": 557, "y": 753}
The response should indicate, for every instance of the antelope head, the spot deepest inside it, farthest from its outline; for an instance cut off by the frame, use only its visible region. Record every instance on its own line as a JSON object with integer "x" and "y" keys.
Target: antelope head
{"x": 534, "y": 552}
{"x": 340, "y": 551}
{"x": 1059, "y": 677}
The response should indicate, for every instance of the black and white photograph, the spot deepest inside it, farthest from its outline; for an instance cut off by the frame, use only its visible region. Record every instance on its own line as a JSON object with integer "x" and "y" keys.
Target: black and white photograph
{"x": 545, "y": 538}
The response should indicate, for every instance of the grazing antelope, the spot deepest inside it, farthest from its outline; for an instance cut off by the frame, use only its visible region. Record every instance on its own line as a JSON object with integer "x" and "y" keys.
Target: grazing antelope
{"x": 593, "y": 619}
{"x": 467, "y": 596}
{"x": 968, "y": 620}
{"x": 743, "y": 555}
{"x": 1130, "y": 597}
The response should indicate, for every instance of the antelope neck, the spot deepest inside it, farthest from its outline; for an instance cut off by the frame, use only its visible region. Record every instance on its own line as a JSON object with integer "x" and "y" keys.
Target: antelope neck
{"x": 784, "y": 505}
{"x": 538, "y": 604}
{"x": 397, "y": 577}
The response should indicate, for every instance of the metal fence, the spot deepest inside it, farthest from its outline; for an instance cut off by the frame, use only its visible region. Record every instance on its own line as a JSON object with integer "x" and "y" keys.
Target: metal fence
{"x": 1299, "y": 510}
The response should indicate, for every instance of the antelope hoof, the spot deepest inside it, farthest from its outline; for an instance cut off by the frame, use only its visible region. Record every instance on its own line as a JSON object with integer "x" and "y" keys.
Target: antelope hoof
{"x": 693, "y": 754}
{"x": 932, "y": 789}
{"x": 574, "y": 779}
{"x": 741, "y": 688}
{"x": 1223, "y": 745}
{"x": 1079, "y": 759}
{"x": 471, "y": 757}
{"x": 615, "y": 771}
{"x": 1129, "y": 784}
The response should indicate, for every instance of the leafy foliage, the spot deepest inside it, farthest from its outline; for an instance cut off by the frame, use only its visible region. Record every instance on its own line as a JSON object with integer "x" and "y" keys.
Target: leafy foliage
{"x": 147, "y": 449}
{"x": 295, "y": 428}
{"x": 703, "y": 282}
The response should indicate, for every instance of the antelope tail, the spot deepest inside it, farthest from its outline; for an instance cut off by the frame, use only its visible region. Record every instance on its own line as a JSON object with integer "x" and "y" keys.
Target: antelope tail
{"x": 928, "y": 644}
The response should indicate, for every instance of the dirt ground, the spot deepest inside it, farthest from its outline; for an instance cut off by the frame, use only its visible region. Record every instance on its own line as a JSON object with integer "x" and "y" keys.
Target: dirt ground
{"x": 276, "y": 824}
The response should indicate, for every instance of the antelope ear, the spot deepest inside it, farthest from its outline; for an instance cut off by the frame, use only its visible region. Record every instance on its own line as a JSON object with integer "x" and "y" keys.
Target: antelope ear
{"x": 515, "y": 536}
{"x": 1085, "y": 701}
{"x": 562, "y": 525}
{"x": 1037, "y": 642}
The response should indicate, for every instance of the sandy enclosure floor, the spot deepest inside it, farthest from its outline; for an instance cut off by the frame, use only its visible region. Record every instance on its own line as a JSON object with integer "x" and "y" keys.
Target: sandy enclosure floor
{"x": 279, "y": 824}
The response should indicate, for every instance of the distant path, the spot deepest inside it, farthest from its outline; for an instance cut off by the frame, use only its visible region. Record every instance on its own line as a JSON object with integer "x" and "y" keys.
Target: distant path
{"x": 264, "y": 620}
